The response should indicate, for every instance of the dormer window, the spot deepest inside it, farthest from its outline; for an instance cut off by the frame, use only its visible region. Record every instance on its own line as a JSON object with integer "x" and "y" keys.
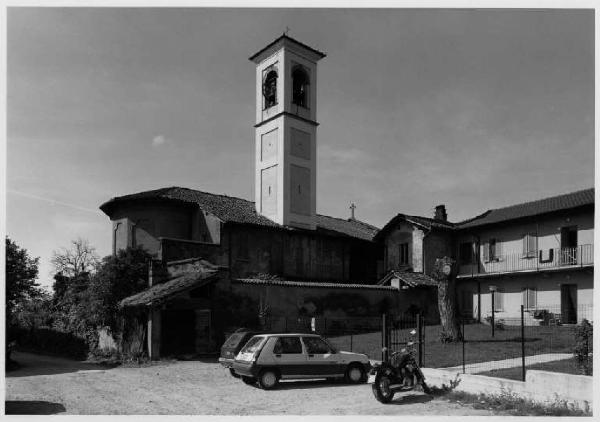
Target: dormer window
{"x": 300, "y": 83}
{"x": 270, "y": 89}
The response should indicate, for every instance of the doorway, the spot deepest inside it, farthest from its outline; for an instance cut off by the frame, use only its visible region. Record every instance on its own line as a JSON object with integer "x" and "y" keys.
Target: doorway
{"x": 568, "y": 245}
{"x": 568, "y": 303}
{"x": 178, "y": 332}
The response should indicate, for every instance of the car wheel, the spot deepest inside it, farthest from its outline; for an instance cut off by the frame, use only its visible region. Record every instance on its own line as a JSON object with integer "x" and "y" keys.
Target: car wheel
{"x": 356, "y": 374}
{"x": 248, "y": 380}
{"x": 268, "y": 379}
{"x": 233, "y": 374}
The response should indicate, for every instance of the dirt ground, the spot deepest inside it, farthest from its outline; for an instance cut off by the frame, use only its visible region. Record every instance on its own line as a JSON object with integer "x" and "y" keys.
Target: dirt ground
{"x": 50, "y": 385}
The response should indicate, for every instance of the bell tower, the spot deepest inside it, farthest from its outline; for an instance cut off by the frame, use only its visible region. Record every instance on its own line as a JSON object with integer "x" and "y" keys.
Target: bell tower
{"x": 286, "y": 132}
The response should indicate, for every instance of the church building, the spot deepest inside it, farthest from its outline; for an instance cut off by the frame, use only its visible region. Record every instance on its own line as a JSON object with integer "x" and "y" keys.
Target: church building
{"x": 277, "y": 252}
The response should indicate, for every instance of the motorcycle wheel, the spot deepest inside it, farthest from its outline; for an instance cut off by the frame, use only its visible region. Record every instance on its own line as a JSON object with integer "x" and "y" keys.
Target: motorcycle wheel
{"x": 381, "y": 388}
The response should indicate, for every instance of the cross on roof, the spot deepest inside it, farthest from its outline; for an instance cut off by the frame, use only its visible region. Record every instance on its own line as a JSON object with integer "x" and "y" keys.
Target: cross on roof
{"x": 287, "y": 29}
{"x": 352, "y": 208}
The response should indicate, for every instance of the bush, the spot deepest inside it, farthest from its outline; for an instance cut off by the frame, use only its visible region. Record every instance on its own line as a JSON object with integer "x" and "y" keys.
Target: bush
{"x": 584, "y": 340}
{"x": 46, "y": 340}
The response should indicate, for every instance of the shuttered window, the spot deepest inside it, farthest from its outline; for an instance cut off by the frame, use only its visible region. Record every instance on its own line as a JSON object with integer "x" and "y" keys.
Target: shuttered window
{"x": 529, "y": 245}
{"x": 529, "y": 297}
{"x": 499, "y": 300}
{"x": 466, "y": 253}
{"x": 492, "y": 250}
{"x": 403, "y": 254}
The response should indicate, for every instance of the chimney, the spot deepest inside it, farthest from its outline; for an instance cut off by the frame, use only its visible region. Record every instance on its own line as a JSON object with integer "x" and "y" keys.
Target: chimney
{"x": 440, "y": 213}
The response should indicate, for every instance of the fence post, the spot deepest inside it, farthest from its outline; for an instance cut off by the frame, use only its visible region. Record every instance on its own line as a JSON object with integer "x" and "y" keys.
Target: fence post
{"x": 420, "y": 338}
{"x": 523, "y": 341}
{"x": 463, "y": 344}
{"x": 384, "y": 338}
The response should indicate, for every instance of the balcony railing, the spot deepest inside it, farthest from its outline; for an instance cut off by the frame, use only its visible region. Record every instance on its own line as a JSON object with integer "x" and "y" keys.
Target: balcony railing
{"x": 543, "y": 259}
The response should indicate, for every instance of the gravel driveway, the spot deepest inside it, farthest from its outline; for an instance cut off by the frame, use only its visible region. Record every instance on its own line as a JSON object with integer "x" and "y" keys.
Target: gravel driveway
{"x": 47, "y": 385}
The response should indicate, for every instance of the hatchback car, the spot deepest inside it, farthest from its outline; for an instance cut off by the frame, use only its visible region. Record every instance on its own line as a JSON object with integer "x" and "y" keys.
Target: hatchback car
{"x": 268, "y": 358}
{"x": 232, "y": 346}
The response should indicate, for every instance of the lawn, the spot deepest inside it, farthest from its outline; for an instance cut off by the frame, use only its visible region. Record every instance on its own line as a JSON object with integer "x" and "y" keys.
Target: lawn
{"x": 567, "y": 366}
{"x": 479, "y": 345}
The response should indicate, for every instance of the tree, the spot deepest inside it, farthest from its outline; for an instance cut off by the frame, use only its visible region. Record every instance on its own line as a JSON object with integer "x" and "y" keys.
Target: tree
{"x": 81, "y": 258}
{"x": 444, "y": 274}
{"x": 21, "y": 275}
{"x": 118, "y": 277}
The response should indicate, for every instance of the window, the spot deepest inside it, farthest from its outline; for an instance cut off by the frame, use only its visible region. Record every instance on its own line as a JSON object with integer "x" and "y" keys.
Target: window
{"x": 270, "y": 89}
{"x": 253, "y": 345}
{"x": 300, "y": 87}
{"x": 498, "y": 300}
{"x": 316, "y": 345}
{"x": 467, "y": 301}
{"x": 287, "y": 345}
{"x": 529, "y": 245}
{"x": 491, "y": 250}
{"x": 529, "y": 297}
{"x": 403, "y": 260}
{"x": 466, "y": 253}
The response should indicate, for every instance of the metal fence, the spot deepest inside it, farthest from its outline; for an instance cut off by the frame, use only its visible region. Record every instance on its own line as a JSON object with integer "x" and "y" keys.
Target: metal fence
{"x": 537, "y": 340}
{"x": 354, "y": 334}
{"x": 510, "y": 346}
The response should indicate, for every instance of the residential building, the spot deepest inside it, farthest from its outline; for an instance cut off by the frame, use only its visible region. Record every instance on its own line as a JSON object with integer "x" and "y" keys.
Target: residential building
{"x": 538, "y": 254}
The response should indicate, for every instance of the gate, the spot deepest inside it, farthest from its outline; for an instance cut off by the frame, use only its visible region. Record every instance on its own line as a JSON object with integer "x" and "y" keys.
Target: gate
{"x": 398, "y": 332}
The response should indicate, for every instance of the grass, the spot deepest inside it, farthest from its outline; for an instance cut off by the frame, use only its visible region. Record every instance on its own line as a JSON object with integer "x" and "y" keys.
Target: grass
{"x": 514, "y": 405}
{"x": 479, "y": 345}
{"x": 567, "y": 366}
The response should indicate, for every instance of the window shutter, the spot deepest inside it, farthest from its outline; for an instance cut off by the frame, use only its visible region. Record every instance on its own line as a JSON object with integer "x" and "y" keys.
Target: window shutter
{"x": 532, "y": 298}
{"x": 524, "y": 297}
{"x": 498, "y": 249}
{"x": 499, "y": 300}
{"x": 486, "y": 252}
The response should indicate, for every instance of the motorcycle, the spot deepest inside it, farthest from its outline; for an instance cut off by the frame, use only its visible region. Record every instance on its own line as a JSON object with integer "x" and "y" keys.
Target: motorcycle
{"x": 400, "y": 372}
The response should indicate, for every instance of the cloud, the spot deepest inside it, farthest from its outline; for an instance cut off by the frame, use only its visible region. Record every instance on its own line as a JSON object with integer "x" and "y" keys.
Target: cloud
{"x": 159, "y": 140}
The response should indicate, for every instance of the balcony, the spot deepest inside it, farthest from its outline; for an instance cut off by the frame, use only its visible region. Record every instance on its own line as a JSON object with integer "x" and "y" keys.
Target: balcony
{"x": 542, "y": 260}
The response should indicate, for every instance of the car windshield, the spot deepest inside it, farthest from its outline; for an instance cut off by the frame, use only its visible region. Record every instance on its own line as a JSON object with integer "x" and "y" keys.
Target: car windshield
{"x": 234, "y": 340}
{"x": 252, "y": 345}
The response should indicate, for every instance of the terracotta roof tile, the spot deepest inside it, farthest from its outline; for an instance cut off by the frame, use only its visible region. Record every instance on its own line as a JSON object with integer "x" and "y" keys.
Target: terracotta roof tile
{"x": 409, "y": 278}
{"x": 286, "y": 283}
{"x": 162, "y": 292}
{"x": 528, "y": 209}
{"x": 241, "y": 211}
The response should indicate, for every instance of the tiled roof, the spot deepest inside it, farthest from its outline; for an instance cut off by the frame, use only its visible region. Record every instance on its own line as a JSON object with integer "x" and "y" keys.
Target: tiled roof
{"x": 286, "y": 37}
{"x": 528, "y": 209}
{"x": 285, "y": 283}
{"x": 226, "y": 208}
{"x": 160, "y": 293}
{"x": 350, "y": 227}
{"x": 238, "y": 210}
{"x": 427, "y": 223}
{"x": 409, "y": 278}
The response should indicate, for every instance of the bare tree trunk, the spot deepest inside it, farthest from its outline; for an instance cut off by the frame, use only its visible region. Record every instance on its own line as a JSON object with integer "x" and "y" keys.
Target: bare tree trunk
{"x": 444, "y": 273}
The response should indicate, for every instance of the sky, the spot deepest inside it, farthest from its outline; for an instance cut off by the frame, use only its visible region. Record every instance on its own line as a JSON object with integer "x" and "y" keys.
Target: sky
{"x": 471, "y": 109}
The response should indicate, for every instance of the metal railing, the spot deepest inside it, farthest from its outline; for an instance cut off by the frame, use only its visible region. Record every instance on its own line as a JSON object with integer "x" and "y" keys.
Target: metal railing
{"x": 542, "y": 259}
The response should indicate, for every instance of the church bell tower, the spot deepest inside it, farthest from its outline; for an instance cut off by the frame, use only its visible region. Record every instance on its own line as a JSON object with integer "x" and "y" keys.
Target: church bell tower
{"x": 286, "y": 132}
